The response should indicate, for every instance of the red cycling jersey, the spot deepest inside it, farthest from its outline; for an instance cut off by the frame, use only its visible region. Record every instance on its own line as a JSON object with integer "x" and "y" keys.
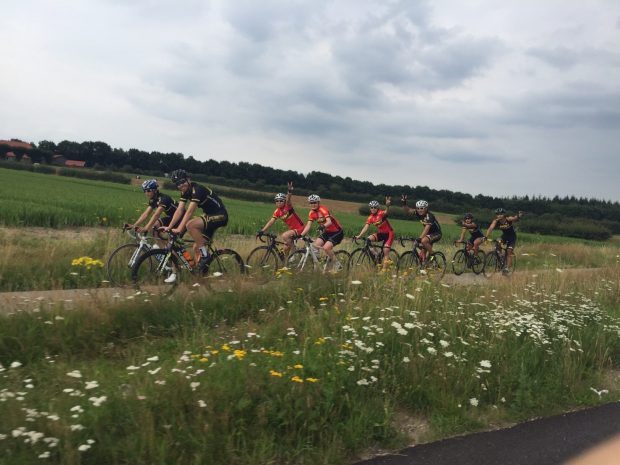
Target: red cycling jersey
{"x": 290, "y": 217}
{"x": 380, "y": 221}
{"x": 320, "y": 216}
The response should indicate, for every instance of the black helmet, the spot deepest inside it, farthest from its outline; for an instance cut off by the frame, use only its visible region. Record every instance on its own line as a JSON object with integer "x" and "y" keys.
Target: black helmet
{"x": 468, "y": 216}
{"x": 178, "y": 175}
{"x": 500, "y": 211}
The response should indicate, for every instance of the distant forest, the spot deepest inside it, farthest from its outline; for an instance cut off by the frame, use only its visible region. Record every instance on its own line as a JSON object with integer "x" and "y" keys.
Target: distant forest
{"x": 571, "y": 216}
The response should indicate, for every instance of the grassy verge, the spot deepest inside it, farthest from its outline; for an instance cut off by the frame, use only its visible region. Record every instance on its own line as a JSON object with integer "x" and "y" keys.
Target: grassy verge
{"x": 301, "y": 370}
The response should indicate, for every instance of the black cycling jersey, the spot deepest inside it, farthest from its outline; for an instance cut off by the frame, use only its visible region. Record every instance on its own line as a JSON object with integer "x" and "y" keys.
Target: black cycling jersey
{"x": 163, "y": 200}
{"x": 427, "y": 219}
{"x": 473, "y": 228}
{"x": 507, "y": 228}
{"x": 205, "y": 198}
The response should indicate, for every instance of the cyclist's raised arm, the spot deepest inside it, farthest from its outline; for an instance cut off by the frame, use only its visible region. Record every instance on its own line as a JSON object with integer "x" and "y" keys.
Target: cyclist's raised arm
{"x": 403, "y": 201}
{"x": 388, "y": 203}
{"x": 516, "y": 217}
{"x": 289, "y": 194}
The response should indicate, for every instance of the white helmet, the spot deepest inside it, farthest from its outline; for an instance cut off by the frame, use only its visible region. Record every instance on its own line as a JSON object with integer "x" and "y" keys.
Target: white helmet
{"x": 314, "y": 198}
{"x": 373, "y": 204}
{"x": 280, "y": 196}
{"x": 421, "y": 204}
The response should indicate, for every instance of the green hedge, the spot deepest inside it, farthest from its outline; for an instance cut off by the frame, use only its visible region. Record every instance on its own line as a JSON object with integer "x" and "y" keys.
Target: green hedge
{"x": 82, "y": 173}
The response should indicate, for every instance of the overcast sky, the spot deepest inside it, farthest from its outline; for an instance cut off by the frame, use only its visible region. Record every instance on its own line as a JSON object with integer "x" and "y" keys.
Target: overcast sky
{"x": 484, "y": 96}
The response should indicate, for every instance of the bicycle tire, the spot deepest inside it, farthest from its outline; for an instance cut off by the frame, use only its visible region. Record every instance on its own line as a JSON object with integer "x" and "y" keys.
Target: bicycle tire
{"x": 491, "y": 264}
{"x": 119, "y": 264}
{"x": 459, "y": 262}
{"x": 151, "y": 271}
{"x": 298, "y": 263}
{"x": 478, "y": 262}
{"x": 344, "y": 258}
{"x": 263, "y": 260}
{"x": 224, "y": 262}
{"x": 436, "y": 266}
{"x": 360, "y": 260}
{"x": 409, "y": 263}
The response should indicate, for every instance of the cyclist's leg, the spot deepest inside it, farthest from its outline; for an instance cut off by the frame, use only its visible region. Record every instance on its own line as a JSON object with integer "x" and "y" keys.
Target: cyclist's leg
{"x": 158, "y": 224}
{"x": 427, "y": 247}
{"x": 388, "y": 239}
{"x": 288, "y": 237}
{"x": 510, "y": 253}
{"x": 331, "y": 241}
{"x": 196, "y": 227}
{"x": 476, "y": 244}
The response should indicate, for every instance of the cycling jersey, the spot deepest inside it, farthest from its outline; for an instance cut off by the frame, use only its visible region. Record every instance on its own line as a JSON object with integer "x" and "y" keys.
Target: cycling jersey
{"x": 165, "y": 201}
{"x": 507, "y": 228}
{"x": 205, "y": 198}
{"x": 380, "y": 220}
{"x": 320, "y": 215}
{"x": 290, "y": 217}
{"x": 473, "y": 229}
{"x": 427, "y": 219}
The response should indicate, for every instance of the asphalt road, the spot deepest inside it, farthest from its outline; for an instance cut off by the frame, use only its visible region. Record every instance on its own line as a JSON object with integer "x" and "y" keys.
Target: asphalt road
{"x": 547, "y": 441}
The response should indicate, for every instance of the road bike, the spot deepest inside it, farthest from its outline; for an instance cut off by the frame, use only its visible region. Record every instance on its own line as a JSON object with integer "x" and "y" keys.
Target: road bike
{"x": 434, "y": 266}
{"x": 266, "y": 259}
{"x": 466, "y": 259}
{"x": 173, "y": 265}
{"x": 497, "y": 260}
{"x": 309, "y": 258}
{"x": 123, "y": 258}
{"x": 370, "y": 256}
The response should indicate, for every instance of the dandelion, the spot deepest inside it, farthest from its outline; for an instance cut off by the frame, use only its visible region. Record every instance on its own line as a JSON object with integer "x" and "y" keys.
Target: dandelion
{"x": 312, "y": 380}
{"x": 298, "y": 366}
{"x": 277, "y": 374}
{"x": 297, "y": 379}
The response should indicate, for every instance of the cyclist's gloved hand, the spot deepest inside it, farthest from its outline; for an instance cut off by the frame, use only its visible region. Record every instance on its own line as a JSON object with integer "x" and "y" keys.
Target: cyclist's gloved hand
{"x": 403, "y": 199}
{"x": 259, "y": 233}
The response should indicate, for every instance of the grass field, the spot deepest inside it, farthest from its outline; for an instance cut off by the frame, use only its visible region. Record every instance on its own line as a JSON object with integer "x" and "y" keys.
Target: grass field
{"x": 297, "y": 370}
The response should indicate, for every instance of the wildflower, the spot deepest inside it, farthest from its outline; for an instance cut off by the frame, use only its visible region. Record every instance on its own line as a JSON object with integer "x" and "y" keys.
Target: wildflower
{"x": 409, "y": 296}
{"x": 473, "y": 402}
{"x": 277, "y": 374}
{"x": 323, "y": 299}
{"x": 406, "y": 359}
{"x": 356, "y": 282}
{"x": 362, "y": 382}
{"x": 15, "y": 364}
{"x": 84, "y": 447}
{"x": 44, "y": 455}
{"x": 298, "y": 366}
{"x": 239, "y": 354}
{"x": 297, "y": 379}
{"x": 444, "y": 344}
{"x": 75, "y": 374}
{"x": 91, "y": 385}
{"x": 202, "y": 403}
{"x": 76, "y": 427}
{"x": 485, "y": 364}
{"x": 431, "y": 350}
{"x": 312, "y": 380}
{"x": 194, "y": 385}
{"x": 154, "y": 358}
{"x": 97, "y": 401}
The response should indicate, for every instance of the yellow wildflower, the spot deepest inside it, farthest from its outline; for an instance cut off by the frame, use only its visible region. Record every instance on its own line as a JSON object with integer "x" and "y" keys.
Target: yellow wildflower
{"x": 299, "y": 365}
{"x": 297, "y": 379}
{"x": 240, "y": 354}
{"x": 277, "y": 374}
{"x": 312, "y": 380}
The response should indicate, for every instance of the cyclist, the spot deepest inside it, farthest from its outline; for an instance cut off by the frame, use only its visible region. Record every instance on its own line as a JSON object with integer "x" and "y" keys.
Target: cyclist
{"x": 286, "y": 212}
{"x": 432, "y": 230}
{"x": 157, "y": 203}
{"x": 384, "y": 233}
{"x": 469, "y": 224}
{"x": 509, "y": 235}
{"x": 331, "y": 232}
{"x": 201, "y": 228}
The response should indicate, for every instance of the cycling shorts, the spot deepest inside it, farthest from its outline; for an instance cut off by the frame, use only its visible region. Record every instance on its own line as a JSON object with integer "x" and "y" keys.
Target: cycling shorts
{"x": 434, "y": 237}
{"x": 333, "y": 237}
{"x": 212, "y": 222}
{"x": 473, "y": 237}
{"x": 510, "y": 241}
{"x": 386, "y": 238}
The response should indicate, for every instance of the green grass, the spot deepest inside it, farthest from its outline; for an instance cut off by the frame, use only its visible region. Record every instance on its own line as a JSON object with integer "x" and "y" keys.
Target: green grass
{"x": 301, "y": 371}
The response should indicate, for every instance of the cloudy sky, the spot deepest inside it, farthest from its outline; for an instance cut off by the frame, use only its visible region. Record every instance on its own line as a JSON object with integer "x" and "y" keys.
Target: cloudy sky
{"x": 481, "y": 96}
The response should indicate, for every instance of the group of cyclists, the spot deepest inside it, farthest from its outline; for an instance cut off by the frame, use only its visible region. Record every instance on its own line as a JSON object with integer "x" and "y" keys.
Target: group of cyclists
{"x": 177, "y": 217}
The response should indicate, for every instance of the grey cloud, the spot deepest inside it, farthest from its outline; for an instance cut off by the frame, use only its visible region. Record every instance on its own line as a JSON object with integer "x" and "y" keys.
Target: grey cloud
{"x": 560, "y": 57}
{"x": 472, "y": 157}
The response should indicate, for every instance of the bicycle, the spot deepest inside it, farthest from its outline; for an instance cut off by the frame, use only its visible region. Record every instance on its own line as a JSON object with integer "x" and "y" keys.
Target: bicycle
{"x": 466, "y": 259}
{"x": 370, "y": 256}
{"x": 266, "y": 259}
{"x": 298, "y": 260}
{"x": 123, "y": 258}
{"x": 410, "y": 262}
{"x": 498, "y": 259}
{"x": 174, "y": 265}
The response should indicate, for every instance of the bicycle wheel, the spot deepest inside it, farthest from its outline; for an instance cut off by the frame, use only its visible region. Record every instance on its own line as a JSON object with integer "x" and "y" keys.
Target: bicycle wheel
{"x": 224, "y": 262}
{"x": 408, "y": 263}
{"x": 298, "y": 262}
{"x": 393, "y": 259}
{"x": 120, "y": 262}
{"x": 491, "y": 264}
{"x": 343, "y": 257}
{"x": 478, "y": 262}
{"x": 436, "y": 266}
{"x": 157, "y": 269}
{"x": 360, "y": 260}
{"x": 459, "y": 262}
{"x": 262, "y": 261}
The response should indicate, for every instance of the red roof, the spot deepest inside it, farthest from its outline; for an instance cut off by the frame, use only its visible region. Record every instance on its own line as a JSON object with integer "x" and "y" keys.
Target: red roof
{"x": 10, "y": 155}
{"x": 76, "y": 163}
{"x": 17, "y": 144}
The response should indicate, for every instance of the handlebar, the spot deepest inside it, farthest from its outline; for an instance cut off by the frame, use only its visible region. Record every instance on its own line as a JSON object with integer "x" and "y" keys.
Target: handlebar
{"x": 262, "y": 235}
{"x": 402, "y": 240}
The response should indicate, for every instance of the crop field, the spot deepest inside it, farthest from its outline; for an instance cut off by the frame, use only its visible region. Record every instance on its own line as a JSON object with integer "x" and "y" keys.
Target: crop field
{"x": 312, "y": 369}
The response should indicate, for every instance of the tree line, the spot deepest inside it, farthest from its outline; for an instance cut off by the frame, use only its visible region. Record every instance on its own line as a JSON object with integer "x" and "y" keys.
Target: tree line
{"x": 548, "y": 211}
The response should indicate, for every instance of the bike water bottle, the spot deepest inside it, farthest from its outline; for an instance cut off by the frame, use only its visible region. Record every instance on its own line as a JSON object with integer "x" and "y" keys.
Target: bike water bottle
{"x": 188, "y": 257}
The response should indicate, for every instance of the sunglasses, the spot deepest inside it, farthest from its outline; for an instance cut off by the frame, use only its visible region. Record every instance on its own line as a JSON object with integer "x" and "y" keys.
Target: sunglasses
{"x": 181, "y": 182}
{"x": 149, "y": 190}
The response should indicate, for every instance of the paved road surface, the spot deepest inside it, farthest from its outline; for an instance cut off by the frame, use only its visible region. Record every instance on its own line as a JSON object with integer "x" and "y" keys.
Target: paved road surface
{"x": 547, "y": 441}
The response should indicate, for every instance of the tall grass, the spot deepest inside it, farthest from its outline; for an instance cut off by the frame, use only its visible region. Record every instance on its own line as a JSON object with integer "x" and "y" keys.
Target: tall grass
{"x": 299, "y": 371}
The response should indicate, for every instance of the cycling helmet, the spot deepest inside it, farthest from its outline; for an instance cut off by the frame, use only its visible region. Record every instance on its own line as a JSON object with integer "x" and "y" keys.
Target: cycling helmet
{"x": 280, "y": 196}
{"x": 500, "y": 211}
{"x": 150, "y": 185}
{"x": 178, "y": 175}
{"x": 468, "y": 216}
{"x": 421, "y": 204}
{"x": 314, "y": 198}
{"x": 373, "y": 204}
